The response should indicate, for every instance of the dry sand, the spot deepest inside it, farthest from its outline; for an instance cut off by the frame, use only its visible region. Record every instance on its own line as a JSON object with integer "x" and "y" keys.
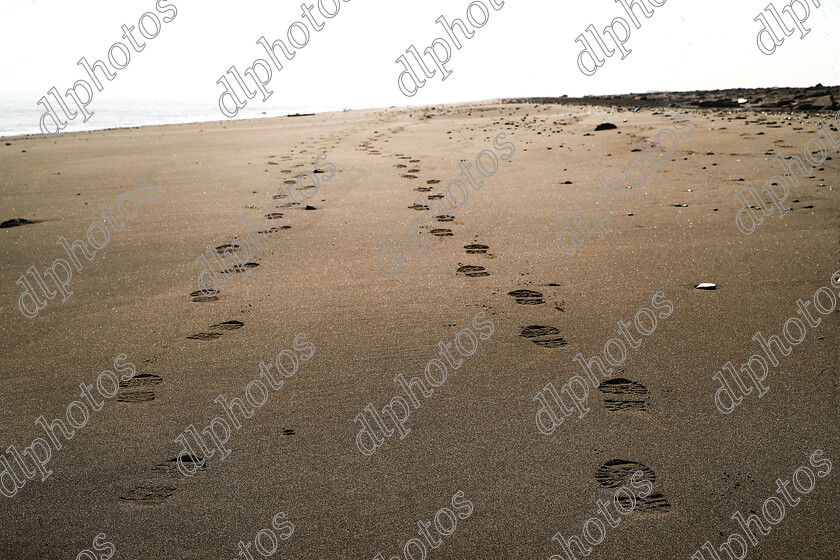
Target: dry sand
{"x": 476, "y": 433}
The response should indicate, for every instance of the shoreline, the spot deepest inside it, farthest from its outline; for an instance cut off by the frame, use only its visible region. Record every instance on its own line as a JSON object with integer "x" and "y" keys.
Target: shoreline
{"x": 716, "y": 99}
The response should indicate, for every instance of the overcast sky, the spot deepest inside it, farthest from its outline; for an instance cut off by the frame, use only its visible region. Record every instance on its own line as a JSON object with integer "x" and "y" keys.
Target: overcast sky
{"x": 527, "y": 48}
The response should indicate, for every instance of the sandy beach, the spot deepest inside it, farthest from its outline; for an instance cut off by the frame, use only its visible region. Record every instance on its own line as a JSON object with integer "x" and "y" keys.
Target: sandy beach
{"x": 476, "y": 432}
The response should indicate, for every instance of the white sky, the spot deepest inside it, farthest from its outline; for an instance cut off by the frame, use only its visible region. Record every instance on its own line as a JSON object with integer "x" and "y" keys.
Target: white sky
{"x": 526, "y": 49}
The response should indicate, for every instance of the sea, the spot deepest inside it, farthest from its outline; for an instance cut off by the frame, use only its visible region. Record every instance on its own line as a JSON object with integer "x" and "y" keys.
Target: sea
{"x": 19, "y": 119}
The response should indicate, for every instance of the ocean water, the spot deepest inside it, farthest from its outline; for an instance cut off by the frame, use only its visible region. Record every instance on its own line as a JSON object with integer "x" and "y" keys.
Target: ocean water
{"x": 17, "y": 118}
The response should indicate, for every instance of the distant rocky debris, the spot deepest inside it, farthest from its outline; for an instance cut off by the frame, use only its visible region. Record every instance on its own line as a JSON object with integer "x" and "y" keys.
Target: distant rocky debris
{"x": 816, "y": 98}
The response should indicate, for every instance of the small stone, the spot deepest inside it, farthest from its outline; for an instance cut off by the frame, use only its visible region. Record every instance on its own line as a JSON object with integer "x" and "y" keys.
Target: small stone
{"x": 14, "y": 222}
{"x": 605, "y": 126}
{"x": 706, "y": 286}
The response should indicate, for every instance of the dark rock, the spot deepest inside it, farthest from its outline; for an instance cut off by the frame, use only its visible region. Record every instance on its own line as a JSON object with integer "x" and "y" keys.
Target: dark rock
{"x": 15, "y": 222}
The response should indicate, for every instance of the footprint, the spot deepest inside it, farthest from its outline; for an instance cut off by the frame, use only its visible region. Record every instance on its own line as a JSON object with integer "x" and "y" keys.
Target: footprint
{"x": 199, "y": 297}
{"x": 527, "y": 297}
{"x": 538, "y": 330}
{"x": 473, "y": 271}
{"x": 623, "y": 394}
{"x": 617, "y": 472}
{"x": 136, "y": 396}
{"x": 142, "y": 380}
{"x": 445, "y": 218}
{"x": 435, "y": 196}
{"x": 654, "y": 503}
{"x": 204, "y": 336}
{"x": 288, "y": 432}
{"x": 433, "y": 181}
{"x": 476, "y": 249}
{"x": 423, "y": 189}
{"x": 222, "y": 248}
{"x": 442, "y": 232}
{"x": 293, "y": 205}
{"x": 170, "y": 467}
{"x": 547, "y": 336}
{"x": 409, "y": 176}
{"x": 137, "y": 389}
{"x": 155, "y": 491}
{"x": 413, "y": 171}
{"x": 416, "y": 206}
{"x": 400, "y": 165}
{"x": 243, "y": 267}
{"x": 228, "y": 325}
{"x": 149, "y": 493}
